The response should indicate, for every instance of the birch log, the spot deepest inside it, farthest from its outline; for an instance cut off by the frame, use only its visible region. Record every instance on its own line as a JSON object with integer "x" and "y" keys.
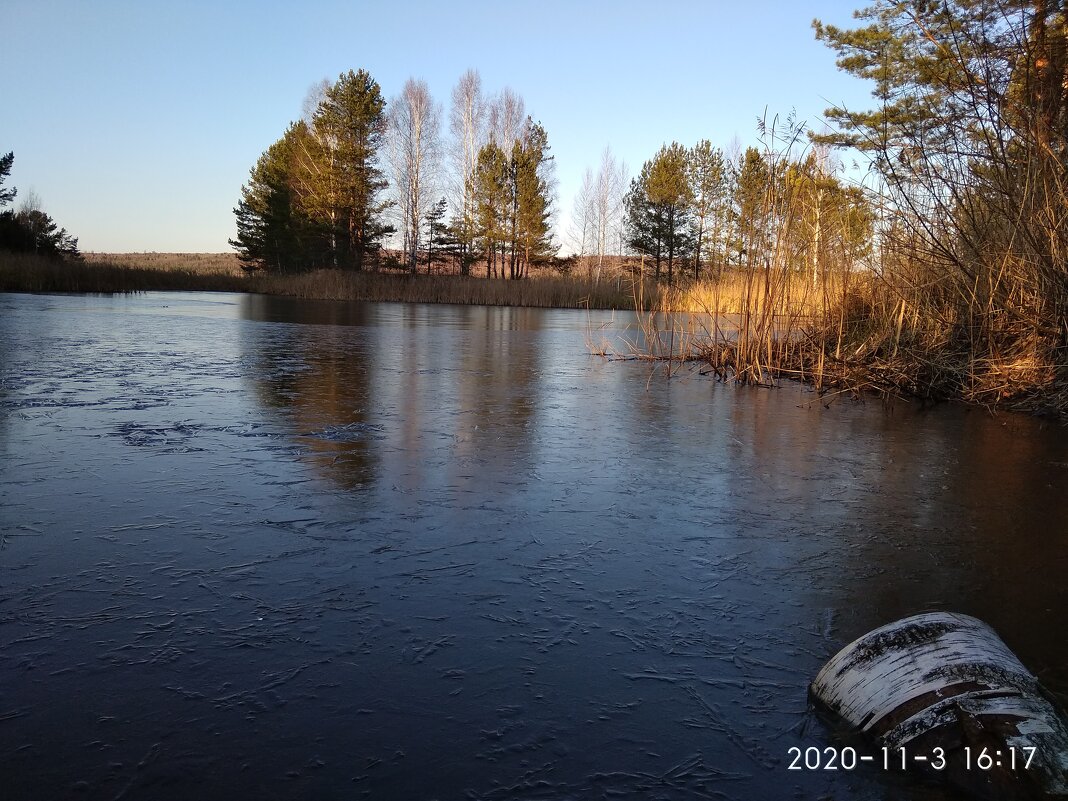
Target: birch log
{"x": 943, "y": 680}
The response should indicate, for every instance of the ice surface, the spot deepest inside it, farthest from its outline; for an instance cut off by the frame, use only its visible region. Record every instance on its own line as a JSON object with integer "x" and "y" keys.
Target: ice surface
{"x": 258, "y": 548}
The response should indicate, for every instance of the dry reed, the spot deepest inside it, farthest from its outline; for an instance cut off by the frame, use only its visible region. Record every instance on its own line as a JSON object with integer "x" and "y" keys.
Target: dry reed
{"x": 198, "y": 263}
{"x": 134, "y": 273}
{"x": 905, "y": 320}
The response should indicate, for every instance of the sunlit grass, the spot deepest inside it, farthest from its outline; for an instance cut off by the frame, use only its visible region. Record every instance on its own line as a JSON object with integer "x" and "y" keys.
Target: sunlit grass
{"x": 27, "y": 272}
{"x": 788, "y": 292}
{"x": 196, "y": 263}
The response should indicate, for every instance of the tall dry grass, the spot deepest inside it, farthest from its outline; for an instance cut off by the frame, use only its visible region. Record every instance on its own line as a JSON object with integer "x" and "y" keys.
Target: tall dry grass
{"x": 963, "y": 296}
{"x": 29, "y": 273}
{"x": 892, "y": 330}
{"x": 545, "y": 292}
{"x": 196, "y": 263}
{"x": 786, "y": 293}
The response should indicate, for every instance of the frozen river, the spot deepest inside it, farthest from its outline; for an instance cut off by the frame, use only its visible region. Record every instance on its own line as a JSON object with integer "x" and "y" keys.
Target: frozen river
{"x": 272, "y": 549}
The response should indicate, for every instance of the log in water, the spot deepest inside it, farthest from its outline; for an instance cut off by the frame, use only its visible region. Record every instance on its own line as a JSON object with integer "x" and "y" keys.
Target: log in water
{"x": 946, "y": 692}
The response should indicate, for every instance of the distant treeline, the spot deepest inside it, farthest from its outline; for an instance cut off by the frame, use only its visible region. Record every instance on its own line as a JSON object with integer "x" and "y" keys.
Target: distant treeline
{"x": 356, "y": 172}
{"x": 28, "y": 229}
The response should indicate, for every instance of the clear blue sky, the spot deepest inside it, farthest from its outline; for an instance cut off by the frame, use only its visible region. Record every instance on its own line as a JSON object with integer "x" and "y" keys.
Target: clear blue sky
{"x": 136, "y": 122}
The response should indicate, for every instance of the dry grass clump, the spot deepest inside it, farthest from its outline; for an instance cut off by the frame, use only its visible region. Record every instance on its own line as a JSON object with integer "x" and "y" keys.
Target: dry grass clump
{"x": 790, "y": 292}
{"x": 864, "y": 332}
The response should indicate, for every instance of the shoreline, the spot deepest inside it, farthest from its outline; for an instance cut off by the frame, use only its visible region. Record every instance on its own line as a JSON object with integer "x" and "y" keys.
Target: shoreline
{"x": 811, "y": 340}
{"x": 99, "y": 273}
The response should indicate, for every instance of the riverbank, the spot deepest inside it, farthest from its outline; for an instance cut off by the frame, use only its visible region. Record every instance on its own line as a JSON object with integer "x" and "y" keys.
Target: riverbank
{"x": 848, "y": 333}
{"x": 858, "y": 335}
{"x": 733, "y": 293}
{"x": 102, "y": 273}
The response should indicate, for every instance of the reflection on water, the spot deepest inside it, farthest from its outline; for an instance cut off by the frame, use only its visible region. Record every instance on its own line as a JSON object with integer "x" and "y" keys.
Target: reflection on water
{"x": 320, "y": 384}
{"x": 354, "y": 402}
{"x": 256, "y": 547}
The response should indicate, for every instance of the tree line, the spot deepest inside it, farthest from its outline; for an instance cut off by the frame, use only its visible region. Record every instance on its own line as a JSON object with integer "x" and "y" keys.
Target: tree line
{"x": 29, "y": 229}
{"x": 355, "y": 172}
{"x": 700, "y": 208}
{"x": 964, "y": 214}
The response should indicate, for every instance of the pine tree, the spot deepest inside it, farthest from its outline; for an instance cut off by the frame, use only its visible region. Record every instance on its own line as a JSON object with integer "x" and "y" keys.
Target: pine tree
{"x": 437, "y": 233}
{"x": 6, "y": 195}
{"x": 752, "y": 212}
{"x": 44, "y": 236}
{"x": 493, "y": 201}
{"x": 944, "y": 68}
{"x": 659, "y": 208}
{"x": 343, "y": 179}
{"x": 532, "y": 240}
{"x": 312, "y": 199}
{"x": 707, "y": 173}
{"x": 273, "y": 231}
{"x": 463, "y": 230}
{"x": 30, "y": 229}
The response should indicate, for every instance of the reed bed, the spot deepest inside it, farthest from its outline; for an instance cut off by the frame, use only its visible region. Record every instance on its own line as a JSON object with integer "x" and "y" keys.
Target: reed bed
{"x": 962, "y": 293}
{"x": 860, "y": 333}
{"x": 29, "y": 273}
{"x": 196, "y": 263}
{"x": 544, "y": 292}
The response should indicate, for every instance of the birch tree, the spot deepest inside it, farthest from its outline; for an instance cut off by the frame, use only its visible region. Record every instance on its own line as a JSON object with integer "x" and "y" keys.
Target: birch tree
{"x": 583, "y": 223}
{"x": 507, "y": 119}
{"x": 830, "y": 223}
{"x": 467, "y": 124}
{"x": 597, "y": 217}
{"x": 608, "y": 199}
{"x": 414, "y": 130}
